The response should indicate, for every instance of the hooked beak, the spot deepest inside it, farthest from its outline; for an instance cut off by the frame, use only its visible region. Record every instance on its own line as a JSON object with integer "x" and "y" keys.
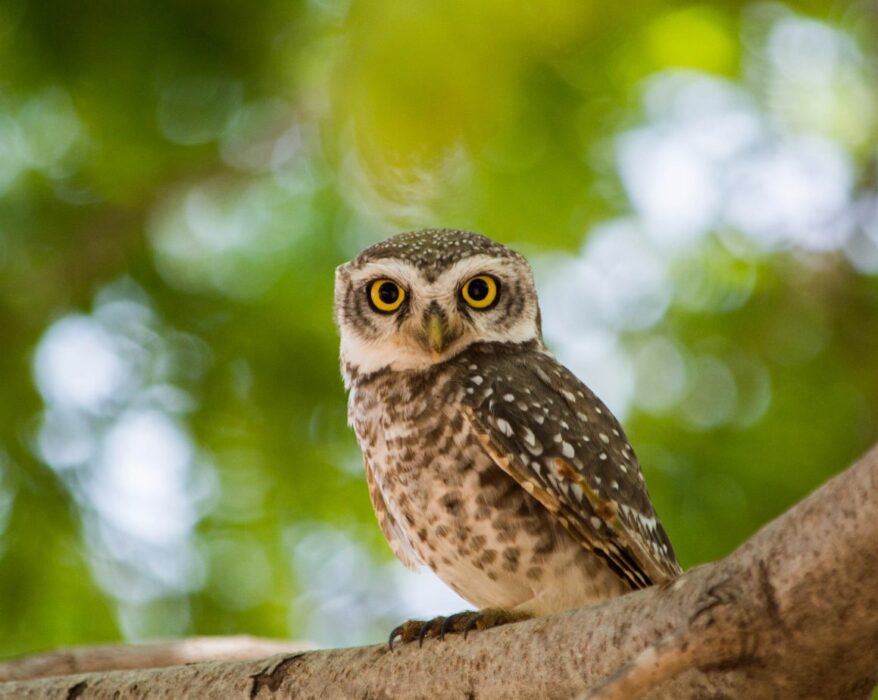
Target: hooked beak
{"x": 438, "y": 335}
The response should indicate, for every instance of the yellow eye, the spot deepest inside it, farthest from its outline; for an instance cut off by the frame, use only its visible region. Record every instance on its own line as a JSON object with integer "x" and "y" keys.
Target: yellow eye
{"x": 480, "y": 292}
{"x": 386, "y": 296}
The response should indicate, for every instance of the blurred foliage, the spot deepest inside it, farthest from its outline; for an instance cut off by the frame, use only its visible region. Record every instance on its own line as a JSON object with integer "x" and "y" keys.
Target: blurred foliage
{"x": 695, "y": 184}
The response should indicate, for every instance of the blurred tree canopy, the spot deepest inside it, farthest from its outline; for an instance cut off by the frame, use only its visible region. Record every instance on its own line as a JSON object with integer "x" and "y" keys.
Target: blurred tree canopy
{"x": 694, "y": 183}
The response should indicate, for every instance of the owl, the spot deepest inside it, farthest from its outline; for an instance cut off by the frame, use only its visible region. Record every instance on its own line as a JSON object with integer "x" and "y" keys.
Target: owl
{"x": 486, "y": 459}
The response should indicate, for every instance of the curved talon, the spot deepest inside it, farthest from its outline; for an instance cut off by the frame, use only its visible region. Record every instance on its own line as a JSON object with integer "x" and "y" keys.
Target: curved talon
{"x": 425, "y": 628}
{"x": 471, "y": 623}
{"x": 448, "y": 622}
{"x": 394, "y": 633}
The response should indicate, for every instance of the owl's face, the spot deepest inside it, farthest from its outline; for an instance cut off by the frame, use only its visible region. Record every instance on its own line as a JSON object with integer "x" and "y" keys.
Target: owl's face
{"x": 419, "y": 298}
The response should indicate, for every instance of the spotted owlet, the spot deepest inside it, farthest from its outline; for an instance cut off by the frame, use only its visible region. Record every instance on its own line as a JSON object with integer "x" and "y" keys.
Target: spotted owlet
{"x": 486, "y": 459}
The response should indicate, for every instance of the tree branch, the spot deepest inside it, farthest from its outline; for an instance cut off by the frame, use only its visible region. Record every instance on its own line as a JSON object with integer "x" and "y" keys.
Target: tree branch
{"x": 792, "y": 613}
{"x": 117, "y": 657}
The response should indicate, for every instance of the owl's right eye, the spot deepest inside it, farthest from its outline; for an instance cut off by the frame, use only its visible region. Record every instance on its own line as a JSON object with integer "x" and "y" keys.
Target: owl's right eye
{"x": 386, "y": 296}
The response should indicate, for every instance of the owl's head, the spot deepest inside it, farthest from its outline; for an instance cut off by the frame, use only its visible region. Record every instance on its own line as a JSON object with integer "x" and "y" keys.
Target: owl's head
{"x": 419, "y": 298}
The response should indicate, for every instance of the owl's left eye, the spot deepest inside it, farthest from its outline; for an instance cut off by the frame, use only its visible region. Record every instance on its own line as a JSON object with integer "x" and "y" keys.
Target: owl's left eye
{"x": 480, "y": 292}
{"x": 386, "y": 295}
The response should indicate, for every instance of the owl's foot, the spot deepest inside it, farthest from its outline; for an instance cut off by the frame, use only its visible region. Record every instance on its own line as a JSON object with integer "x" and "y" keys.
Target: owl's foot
{"x": 459, "y": 623}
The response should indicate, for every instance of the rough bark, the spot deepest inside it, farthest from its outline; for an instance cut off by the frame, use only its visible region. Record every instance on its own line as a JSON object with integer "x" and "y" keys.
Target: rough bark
{"x": 793, "y": 613}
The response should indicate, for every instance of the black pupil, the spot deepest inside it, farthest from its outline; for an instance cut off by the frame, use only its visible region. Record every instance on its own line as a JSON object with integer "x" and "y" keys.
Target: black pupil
{"x": 388, "y": 292}
{"x": 478, "y": 290}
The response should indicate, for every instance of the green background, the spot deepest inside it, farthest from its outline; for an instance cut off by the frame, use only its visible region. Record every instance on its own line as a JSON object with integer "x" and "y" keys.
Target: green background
{"x": 694, "y": 183}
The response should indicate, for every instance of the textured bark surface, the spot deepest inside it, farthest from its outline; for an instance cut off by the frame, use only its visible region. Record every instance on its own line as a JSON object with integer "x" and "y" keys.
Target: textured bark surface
{"x": 793, "y": 613}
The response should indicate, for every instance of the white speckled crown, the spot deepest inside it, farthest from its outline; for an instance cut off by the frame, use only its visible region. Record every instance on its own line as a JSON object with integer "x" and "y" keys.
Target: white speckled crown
{"x": 435, "y": 248}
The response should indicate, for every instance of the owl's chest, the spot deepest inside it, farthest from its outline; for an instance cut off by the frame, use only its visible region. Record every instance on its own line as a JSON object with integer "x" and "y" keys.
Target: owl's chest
{"x": 416, "y": 441}
{"x": 464, "y": 516}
